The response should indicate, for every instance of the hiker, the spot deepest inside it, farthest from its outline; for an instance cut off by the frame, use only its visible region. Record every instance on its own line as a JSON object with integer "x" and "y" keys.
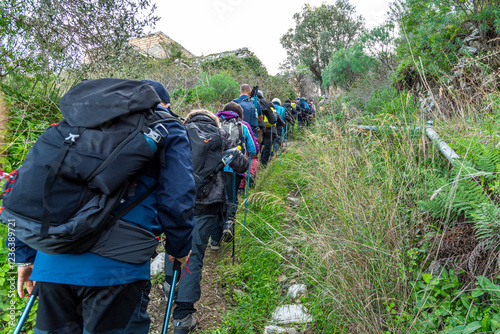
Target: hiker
{"x": 231, "y": 120}
{"x": 91, "y": 293}
{"x": 252, "y": 116}
{"x": 291, "y": 115}
{"x": 210, "y": 201}
{"x": 299, "y": 113}
{"x": 311, "y": 106}
{"x": 312, "y": 111}
{"x": 304, "y": 112}
{"x": 280, "y": 129}
{"x": 270, "y": 119}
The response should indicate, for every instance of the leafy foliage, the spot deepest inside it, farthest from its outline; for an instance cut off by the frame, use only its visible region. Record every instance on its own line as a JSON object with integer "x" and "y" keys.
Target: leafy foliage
{"x": 216, "y": 88}
{"x": 232, "y": 63}
{"x": 457, "y": 195}
{"x": 346, "y": 66}
{"x": 320, "y": 32}
{"x": 371, "y": 53}
{"x": 433, "y": 31}
{"x": 446, "y": 308}
{"x": 56, "y": 35}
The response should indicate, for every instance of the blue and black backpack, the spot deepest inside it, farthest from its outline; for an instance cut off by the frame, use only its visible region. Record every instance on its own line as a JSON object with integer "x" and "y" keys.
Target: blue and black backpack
{"x": 62, "y": 198}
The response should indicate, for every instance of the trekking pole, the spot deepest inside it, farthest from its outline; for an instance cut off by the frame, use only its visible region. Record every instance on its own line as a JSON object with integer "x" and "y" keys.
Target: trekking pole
{"x": 25, "y": 314}
{"x": 175, "y": 277}
{"x": 281, "y": 142}
{"x": 234, "y": 210}
{"x": 246, "y": 199}
{"x": 286, "y": 135}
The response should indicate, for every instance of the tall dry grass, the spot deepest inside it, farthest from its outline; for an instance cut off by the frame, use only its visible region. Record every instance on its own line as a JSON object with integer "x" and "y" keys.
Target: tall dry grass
{"x": 356, "y": 222}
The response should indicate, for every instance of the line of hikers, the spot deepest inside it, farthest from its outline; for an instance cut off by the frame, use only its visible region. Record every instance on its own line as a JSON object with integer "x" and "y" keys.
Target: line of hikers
{"x": 84, "y": 213}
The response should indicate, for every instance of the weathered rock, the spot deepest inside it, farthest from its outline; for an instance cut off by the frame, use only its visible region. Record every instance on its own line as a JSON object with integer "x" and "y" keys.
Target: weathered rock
{"x": 158, "y": 264}
{"x": 293, "y": 201}
{"x": 287, "y": 314}
{"x": 277, "y": 330}
{"x": 476, "y": 44}
{"x": 468, "y": 50}
{"x": 296, "y": 290}
{"x": 474, "y": 36}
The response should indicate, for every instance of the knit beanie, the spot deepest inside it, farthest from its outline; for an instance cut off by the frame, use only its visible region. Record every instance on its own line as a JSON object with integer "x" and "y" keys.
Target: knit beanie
{"x": 160, "y": 90}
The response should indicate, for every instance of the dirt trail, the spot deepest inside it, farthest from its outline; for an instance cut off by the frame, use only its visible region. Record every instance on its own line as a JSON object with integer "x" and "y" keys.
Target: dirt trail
{"x": 212, "y": 305}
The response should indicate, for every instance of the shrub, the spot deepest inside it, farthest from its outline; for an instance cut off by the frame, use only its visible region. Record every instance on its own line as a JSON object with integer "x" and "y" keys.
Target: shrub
{"x": 220, "y": 88}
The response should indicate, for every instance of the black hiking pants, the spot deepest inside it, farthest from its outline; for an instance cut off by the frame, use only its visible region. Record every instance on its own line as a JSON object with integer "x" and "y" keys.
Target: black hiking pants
{"x": 118, "y": 309}
{"x": 267, "y": 146}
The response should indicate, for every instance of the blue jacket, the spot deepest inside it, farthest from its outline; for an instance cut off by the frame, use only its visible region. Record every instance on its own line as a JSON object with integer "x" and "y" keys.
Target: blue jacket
{"x": 250, "y": 113}
{"x": 169, "y": 209}
{"x": 280, "y": 110}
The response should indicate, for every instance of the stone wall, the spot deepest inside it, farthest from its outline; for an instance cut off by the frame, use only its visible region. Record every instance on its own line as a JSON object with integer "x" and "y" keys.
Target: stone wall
{"x": 153, "y": 45}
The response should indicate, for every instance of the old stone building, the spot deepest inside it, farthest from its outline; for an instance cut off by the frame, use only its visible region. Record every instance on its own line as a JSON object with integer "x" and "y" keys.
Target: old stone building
{"x": 159, "y": 45}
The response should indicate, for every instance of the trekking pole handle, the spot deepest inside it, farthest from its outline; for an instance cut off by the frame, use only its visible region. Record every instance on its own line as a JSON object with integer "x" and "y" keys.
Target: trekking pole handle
{"x": 177, "y": 267}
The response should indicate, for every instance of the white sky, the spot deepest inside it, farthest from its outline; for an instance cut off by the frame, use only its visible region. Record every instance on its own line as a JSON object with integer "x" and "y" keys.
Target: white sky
{"x": 211, "y": 26}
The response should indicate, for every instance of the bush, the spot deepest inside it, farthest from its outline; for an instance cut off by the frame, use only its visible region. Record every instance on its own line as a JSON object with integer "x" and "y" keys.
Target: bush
{"x": 346, "y": 66}
{"x": 217, "y": 88}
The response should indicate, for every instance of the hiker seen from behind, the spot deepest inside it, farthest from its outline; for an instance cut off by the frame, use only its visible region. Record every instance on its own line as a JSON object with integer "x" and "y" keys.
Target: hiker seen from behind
{"x": 120, "y": 175}
{"x": 212, "y": 149}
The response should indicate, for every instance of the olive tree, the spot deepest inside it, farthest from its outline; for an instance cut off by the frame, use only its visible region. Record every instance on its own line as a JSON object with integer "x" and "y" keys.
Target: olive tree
{"x": 320, "y": 32}
{"x": 53, "y": 35}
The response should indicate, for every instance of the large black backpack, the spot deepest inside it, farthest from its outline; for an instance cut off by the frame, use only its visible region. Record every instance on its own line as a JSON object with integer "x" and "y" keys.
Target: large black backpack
{"x": 234, "y": 127}
{"x": 206, "y": 150}
{"x": 77, "y": 172}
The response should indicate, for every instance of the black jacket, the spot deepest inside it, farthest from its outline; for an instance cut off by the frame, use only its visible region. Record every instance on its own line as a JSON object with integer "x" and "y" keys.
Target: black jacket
{"x": 266, "y": 106}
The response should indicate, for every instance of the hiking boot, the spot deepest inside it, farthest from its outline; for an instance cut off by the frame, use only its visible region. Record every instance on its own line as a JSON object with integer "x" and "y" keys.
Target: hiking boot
{"x": 166, "y": 290}
{"x": 228, "y": 231}
{"x": 185, "y": 325}
{"x": 214, "y": 245}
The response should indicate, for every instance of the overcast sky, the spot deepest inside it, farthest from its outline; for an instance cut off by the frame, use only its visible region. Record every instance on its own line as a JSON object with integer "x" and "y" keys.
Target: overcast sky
{"x": 211, "y": 26}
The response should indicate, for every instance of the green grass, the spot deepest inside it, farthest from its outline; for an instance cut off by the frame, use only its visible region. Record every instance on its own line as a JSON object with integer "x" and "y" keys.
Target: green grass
{"x": 350, "y": 235}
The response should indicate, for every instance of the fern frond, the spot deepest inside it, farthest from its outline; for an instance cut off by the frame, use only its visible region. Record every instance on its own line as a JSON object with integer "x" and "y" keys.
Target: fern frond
{"x": 487, "y": 221}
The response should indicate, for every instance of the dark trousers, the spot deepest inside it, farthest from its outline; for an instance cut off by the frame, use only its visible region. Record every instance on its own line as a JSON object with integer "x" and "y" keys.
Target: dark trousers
{"x": 232, "y": 203}
{"x": 301, "y": 121}
{"x": 277, "y": 141}
{"x": 266, "y": 147}
{"x": 190, "y": 284}
{"x": 118, "y": 309}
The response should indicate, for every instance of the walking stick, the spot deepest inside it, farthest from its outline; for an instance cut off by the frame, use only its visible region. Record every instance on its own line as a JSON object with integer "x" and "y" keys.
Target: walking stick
{"x": 286, "y": 135}
{"x": 281, "y": 142}
{"x": 25, "y": 314}
{"x": 246, "y": 199}
{"x": 234, "y": 211}
{"x": 175, "y": 278}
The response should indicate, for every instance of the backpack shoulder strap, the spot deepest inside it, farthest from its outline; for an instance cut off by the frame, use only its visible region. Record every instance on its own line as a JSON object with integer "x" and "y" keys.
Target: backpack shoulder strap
{"x": 240, "y": 130}
{"x": 162, "y": 117}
